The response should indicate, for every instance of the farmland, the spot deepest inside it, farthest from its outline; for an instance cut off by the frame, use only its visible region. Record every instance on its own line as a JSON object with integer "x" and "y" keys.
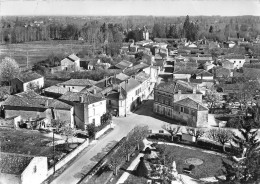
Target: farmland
{"x": 40, "y": 50}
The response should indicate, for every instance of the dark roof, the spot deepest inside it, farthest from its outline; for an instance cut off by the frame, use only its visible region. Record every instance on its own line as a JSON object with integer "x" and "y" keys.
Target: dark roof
{"x": 56, "y": 104}
{"x": 28, "y": 76}
{"x": 14, "y": 163}
{"x": 130, "y": 84}
{"x": 234, "y": 57}
{"x": 188, "y": 102}
{"x": 27, "y": 100}
{"x": 135, "y": 69}
{"x": 141, "y": 77}
{"x": 78, "y": 82}
{"x": 175, "y": 86}
{"x": 87, "y": 98}
{"x": 169, "y": 69}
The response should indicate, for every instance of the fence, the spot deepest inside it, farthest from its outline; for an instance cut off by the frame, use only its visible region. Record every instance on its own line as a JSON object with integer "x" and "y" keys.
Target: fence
{"x": 68, "y": 157}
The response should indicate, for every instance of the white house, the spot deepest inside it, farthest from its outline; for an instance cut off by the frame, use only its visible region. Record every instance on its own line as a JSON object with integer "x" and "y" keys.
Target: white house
{"x": 71, "y": 62}
{"x": 27, "y": 81}
{"x": 22, "y": 169}
{"x": 238, "y": 61}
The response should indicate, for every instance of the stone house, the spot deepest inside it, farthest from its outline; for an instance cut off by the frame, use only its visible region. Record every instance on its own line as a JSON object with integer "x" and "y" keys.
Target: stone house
{"x": 88, "y": 108}
{"x": 37, "y": 111}
{"x": 70, "y": 63}
{"x": 27, "y": 81}
{"x": 22, "y": 169}
{"x": 181, "y": 101}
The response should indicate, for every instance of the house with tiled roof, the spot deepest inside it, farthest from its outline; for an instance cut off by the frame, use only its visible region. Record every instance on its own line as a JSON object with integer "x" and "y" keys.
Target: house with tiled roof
{"x": 70, "y": 63}
{"x": 37, "y": 111}
{"x": 76, "y": 85}
{"x": 22, "y": 169}
{"x": 237, "y": 60}
{"x": 181, "y": 101}
{"x": 88, "y": 107}
{"x": 122, "y": 65}
{"x": 27, "y": 81}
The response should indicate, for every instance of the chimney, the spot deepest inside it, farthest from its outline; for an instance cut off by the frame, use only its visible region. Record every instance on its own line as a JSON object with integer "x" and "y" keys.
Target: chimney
{"x": 94, "y": 91}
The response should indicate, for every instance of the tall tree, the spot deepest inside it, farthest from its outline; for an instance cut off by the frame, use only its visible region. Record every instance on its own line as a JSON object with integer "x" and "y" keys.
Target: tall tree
{"x": 9, "y": 69}
{"x": 242, "y": 164}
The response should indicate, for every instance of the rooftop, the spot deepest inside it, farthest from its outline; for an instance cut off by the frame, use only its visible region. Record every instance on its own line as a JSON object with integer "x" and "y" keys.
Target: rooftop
{"x": 130, "y": 84}
{"x": 175, "y": 86}
{"x": 28, "y": 76}
{"x": 141, "y": 77}
{"x": 87, "y": 98}
{"x": 78, "y": 82}
{"x": 73, "y": 57}
{"x": 188, "y": 102}
{"x": 14, "y": 163}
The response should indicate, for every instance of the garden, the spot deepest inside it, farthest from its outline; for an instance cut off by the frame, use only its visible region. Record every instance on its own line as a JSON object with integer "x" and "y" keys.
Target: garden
{"x": 163, "y": 163}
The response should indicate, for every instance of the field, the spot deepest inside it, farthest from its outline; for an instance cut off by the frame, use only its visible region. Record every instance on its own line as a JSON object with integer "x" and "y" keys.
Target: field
{"x": 40, "y": 50}
{"x": 26, "y": 142}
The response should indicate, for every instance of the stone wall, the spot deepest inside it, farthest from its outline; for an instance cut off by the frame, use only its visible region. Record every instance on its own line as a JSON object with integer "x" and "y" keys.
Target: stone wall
{"x": 68, "y": 157}
{"x": 101, "y": 132}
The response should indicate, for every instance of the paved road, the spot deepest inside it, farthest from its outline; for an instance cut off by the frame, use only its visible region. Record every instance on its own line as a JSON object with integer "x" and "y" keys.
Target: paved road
{"x": 143, "y": 116}
{"x": 90, "y": 157}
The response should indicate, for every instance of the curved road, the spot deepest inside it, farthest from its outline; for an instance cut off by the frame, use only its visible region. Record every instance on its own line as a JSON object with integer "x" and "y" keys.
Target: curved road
{"x": 89, "y": 157}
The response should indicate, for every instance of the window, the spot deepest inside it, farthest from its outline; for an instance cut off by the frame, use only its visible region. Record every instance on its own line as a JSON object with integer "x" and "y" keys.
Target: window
{"x": 186, "y": 110}
{"x": 64, "y": 86}
{"x": 109, "y": 102}
{"x": 193, "y": 113}
{"x": 239, "y": 61}
{"x": 93, "y": 121}
{"x": 169, "y": 112}
{"x": 182, "y": 110}
{"x": 72, "y": 87}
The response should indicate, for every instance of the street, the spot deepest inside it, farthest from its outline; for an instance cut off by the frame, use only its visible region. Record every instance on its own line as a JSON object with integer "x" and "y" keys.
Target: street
{"x": 143, "y": 116}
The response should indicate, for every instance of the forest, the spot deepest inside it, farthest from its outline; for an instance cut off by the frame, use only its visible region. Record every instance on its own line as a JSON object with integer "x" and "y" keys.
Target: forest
{"x": 113, "y": 30}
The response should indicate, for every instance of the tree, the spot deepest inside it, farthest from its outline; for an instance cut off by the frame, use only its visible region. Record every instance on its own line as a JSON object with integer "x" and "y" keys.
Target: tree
{"x": 171, "y": 130}
{"x": 67, "y": 131}
{"x": 139, "y": 133}
{"x": 212, "y": 98}
{"x": 242, "y": 164}
{"x": 211, "y": 29}
{"x": 9, "y": 69}
{"x": 33, "y": 86}
{"x": 196, "y": 132}
{"x": 221, "y": 136}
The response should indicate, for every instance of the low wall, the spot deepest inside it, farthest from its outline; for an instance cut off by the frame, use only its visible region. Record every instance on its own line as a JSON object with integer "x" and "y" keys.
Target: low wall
{"x": 68, "y": 157}
{"x": 101, "y": 132}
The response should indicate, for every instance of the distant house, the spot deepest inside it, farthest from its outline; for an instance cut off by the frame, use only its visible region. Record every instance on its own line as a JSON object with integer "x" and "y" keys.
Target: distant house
{"x": 36, "y": 111}
{"x": 122, "y": 65}
{"x": 238, "y": 61}
{"x": 27, "y": 81}
{"x": 91, "y": 64}
{"x": 22, "y": 169}
{"x": 195, "y": 74}
{"x": 181, "y": 101}
{"x": 88, "y": 108}
{"x": 76, "y": 85}
{"x": 70, "y": 63}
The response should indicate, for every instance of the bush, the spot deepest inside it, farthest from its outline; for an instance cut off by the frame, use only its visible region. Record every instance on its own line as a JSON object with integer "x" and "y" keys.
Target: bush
{"x": 211, "y": 145}
{"x": 148, "y": 150}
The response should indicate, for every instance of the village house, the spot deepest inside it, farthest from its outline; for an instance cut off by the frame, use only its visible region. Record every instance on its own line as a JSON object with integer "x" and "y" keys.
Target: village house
{"x": 181, "y": 101}
{"x": 37, "y": 111}
{"x": 27, "y": 81}
{"x": 238, "y": 61}
{"x": 193, "y": 74}
{"x": 122, "y": 65}
{"x": 22, "y": 169}
{"x": 76, "y": 85}
{"x": 88, "y": 108}
{"x": 70, "y": 63}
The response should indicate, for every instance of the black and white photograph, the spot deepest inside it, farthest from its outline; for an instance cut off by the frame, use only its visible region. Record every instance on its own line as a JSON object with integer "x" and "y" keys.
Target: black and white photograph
{"x": 129, "y": 91}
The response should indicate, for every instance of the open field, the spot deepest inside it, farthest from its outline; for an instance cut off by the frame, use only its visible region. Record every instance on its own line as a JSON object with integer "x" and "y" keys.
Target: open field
{"x": 40, "y": 50}
{"x": 26, "y": 142}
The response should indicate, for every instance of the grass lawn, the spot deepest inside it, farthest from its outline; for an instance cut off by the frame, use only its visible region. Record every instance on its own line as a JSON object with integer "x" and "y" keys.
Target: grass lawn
{"x": 40, "y": 50}
{"x": 26, "y": 142}
{"x": 210, "y": 167}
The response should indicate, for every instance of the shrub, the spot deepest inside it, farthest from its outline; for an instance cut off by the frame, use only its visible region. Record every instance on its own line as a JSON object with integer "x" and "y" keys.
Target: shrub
{"x": 148, "y": 150}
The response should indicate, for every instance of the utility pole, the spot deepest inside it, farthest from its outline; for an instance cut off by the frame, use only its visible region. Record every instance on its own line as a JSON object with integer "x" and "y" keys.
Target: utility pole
{"x": 125, "y": 97}
{"x": 27, "y": 60}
